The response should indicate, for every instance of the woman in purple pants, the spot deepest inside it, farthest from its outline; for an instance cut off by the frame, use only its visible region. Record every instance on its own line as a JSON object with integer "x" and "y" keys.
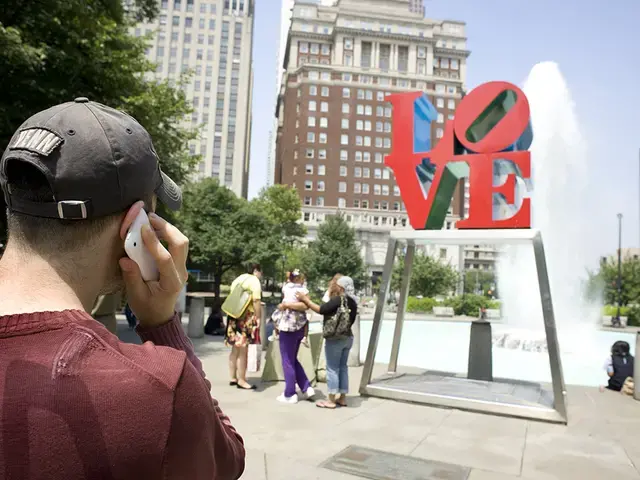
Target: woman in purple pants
{"x": 291, "y": 322}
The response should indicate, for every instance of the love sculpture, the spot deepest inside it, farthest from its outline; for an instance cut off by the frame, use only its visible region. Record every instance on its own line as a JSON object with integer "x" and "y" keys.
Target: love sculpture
{"x": 486, "y": 142}
{"x": 491, "y": 127}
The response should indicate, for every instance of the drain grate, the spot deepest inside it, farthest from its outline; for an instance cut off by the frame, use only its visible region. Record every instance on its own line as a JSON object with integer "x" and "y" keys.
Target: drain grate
{"x": 379, "y": 465}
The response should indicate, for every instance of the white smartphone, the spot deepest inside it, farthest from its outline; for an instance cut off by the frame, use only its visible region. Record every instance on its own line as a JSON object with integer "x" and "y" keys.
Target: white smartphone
{"x": 134, "y": 246}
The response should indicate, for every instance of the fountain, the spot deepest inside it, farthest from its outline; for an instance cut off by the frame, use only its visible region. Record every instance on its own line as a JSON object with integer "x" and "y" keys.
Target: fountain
{"x": 561, "y": 190}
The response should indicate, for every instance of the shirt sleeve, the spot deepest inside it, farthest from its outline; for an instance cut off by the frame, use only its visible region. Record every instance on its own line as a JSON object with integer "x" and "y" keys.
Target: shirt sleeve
{"x": 202, "y": 443}
{"x": 255, "y": 288}
{"x": 608, "y": 365}
{"x": 330, "y": 307}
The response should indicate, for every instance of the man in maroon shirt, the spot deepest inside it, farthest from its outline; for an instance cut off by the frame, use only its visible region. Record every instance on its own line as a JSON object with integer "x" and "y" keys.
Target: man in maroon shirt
{"x": 75, "y": 402}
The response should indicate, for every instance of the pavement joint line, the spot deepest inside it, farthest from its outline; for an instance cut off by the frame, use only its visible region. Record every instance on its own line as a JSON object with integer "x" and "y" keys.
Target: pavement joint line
{"x": 524, "y": 446}
{"x": 431, "y": 431}
{"x": 264, "y": 461}
{"x": 629, "y": 458}
{"x": 361, "y": 411}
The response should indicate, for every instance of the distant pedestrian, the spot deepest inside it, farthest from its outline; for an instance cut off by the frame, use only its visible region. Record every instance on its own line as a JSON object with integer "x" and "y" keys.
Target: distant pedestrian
{"x": 619, "y": 365}
{"x": 131, "y": 318}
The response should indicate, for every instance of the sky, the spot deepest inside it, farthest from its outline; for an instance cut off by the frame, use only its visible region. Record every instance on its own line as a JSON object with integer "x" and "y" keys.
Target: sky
{"x": 596, "y": 46}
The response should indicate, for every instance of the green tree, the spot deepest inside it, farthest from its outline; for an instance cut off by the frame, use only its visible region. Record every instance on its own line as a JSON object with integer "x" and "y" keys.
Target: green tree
{"x": 52, "y": 51}
{"x": 335, "y": 250}
{"x": 224, "y": 232}
{"x": 480, "y": 280}
{"x": 604, "y": 282}
{"x": 281, "y": 205}
{"x": 429, "y": 277}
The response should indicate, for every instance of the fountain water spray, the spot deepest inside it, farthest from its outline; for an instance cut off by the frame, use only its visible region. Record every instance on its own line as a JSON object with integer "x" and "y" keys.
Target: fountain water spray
{"x": 558, "y": 203}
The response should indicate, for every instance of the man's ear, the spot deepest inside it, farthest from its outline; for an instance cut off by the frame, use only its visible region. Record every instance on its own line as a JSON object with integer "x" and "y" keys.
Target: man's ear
{"x": 131, "y": 215}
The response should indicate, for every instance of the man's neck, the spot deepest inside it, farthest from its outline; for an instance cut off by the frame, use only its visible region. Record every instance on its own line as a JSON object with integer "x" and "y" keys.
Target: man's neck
{"x": 28, "y": 284}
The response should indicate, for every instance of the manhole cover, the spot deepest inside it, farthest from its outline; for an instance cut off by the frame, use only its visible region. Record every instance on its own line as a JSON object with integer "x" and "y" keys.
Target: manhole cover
{"x": 379, "y": 465}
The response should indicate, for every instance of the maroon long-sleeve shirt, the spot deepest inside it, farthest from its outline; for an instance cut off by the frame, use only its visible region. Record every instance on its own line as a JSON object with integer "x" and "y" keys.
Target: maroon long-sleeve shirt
{"x": 79, "y": 404}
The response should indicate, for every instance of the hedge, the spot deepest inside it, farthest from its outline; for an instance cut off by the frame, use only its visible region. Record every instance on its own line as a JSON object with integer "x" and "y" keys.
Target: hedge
{"x": 462, "y": 305}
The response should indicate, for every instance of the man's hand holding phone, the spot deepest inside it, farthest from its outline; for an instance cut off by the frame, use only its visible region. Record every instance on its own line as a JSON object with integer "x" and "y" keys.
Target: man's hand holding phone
{"x": 153, "y": 302}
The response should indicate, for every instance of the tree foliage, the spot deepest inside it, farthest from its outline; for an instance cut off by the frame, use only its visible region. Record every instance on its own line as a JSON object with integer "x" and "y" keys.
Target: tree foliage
{"x": 281, "y": 205}
{"x": 483, "y": 281}
{"x": 429, "y": 277}
{"x": 225, "y": 233}
{"x": 335, "y": 250}
{"x": 53, "y": 51}
{"x": 604, "y": 283}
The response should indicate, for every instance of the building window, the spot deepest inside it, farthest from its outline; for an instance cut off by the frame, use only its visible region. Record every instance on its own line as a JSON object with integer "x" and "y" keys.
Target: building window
{"x": 344, "y": 123}
{"x": 451, "y": 104}
{"x": 321, "y": 186}
{"x": 378, "y": 157}
{"x": 312, "y": 106}
{"x": 396, "y": 191}
{"x": 403, "y": 58}
{"x": 320, "y": 202}
{"x": 377, "y": 173}
{"x": 348, "y": 43}
{"x": 357, "y": 188}
{"x": 358, "y": 140}
{"x": 376, "y": 189}
{"x": 325, "y": 91}
{"x": 308, "y": 169}
{"x": 454, "y": 64}
{"x": 365, "y": 56}
{"x": 358, "y": 156}
{"x": 342, "y": 203}
{"x": 359, "y": 125}
{"x": 365, "y": 189}
{"x": 357, "y": 172}
{"x": 307, "y": 201}
{"x": 387, "y": 143}
{"x": 303, "y": 47}
{"x": 439, "y": 133}
{"x": 343, "y": 171}
{"x": 311, "y": 137}
{"x": 308, "y": 185}
{"x": 322, "y": 154}
{"x": 345, "y": 108}
{"x": 313, "y": 90}
{"x": 322, "y": 138}
{"x": 324, "y": 107}
{"x": 342, "y": 187}
{"x": 344, "y": 155}
{"x": 311, "y": 121}
{"x": 385, "y": 55}
{"x": 310, "y": 153}
{"x": 367, "y": 141}
{"x": 321, "y": 170}
{"x": 366, "y": 173}
{"x": 360, "y": 109}
{"x": 344, "y": 139}
{"x": 365, "y": 203}
{"x": 366, "y": 157}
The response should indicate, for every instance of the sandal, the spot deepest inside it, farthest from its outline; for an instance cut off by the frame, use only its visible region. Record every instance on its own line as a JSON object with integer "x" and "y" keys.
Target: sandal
{"x": 326, "y": 404}
{"x": 342, "y": 402}
{"x": 233, "y": 383}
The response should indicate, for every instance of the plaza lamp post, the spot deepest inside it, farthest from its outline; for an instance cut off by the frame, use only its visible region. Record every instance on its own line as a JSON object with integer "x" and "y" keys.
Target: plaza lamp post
{"x": 619, "y": 282}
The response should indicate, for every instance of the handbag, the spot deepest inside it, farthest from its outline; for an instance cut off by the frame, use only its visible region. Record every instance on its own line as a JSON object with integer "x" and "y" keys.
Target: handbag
{"x": 339, "y": 324}
{"x": 237, "y": 301}
{"x": 254, "y": 358}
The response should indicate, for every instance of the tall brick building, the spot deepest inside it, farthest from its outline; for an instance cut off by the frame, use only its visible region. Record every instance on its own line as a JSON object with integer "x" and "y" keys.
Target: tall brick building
{"x": 334, "y": 125}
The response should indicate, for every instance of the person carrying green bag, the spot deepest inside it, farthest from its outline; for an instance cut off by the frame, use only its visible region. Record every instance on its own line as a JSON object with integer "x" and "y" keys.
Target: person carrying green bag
{"x": 243, "y": 308}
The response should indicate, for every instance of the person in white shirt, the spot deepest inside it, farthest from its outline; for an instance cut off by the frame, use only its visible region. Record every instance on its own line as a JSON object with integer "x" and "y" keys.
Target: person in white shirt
{"x": 293, "y": 326}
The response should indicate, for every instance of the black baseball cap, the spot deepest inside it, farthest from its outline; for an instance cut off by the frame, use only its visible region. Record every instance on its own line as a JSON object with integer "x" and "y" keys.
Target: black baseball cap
{"x": 97, "y": 160}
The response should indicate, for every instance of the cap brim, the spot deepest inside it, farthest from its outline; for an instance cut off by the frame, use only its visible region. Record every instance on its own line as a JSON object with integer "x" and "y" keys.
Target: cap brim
{"x": 169, "y": 193}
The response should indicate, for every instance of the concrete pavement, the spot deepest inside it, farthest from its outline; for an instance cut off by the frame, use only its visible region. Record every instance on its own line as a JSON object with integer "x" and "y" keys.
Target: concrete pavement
{"x": 289, "y": 442}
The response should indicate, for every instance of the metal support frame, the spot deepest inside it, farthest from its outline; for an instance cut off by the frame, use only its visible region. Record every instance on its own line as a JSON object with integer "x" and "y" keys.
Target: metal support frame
{"x": 557, "y": 413}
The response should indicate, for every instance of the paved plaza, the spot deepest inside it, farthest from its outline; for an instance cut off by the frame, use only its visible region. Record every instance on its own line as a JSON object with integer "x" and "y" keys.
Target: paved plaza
{"x": 290, "y": 442}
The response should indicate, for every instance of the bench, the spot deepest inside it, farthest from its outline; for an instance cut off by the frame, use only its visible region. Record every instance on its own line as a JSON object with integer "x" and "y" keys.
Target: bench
{"x": 443, "y": 311}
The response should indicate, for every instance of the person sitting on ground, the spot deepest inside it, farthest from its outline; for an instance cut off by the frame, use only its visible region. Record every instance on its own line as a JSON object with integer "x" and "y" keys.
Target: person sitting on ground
{"x": 619, "y": 365}
{"x": 76, "y": 402}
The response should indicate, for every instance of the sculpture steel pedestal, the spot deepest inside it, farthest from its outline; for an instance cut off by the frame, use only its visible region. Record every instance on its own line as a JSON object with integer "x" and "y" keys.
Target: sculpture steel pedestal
{"x": 500, "y": 397}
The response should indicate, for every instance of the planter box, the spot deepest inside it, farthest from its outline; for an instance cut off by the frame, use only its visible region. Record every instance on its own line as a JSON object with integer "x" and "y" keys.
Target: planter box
{"x": 443, "y": 311}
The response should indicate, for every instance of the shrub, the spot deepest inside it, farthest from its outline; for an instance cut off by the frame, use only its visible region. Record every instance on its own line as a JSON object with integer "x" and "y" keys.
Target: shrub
{"x": 470, "y": 305}
{"x": 612, "y": 311}
{"x": 420, "y": 305}
{"x": 633, "y": 316}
